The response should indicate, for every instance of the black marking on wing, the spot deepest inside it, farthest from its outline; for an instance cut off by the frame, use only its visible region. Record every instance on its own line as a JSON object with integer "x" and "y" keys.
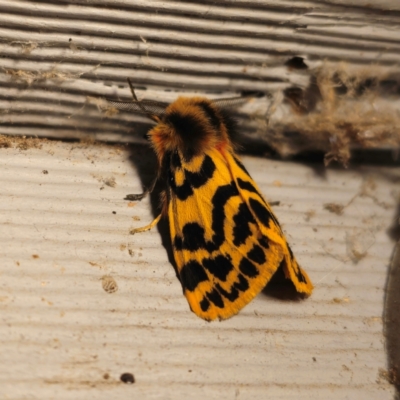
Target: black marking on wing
{"x": 246, "y": 267}
{"x": 193, "y": 180}
{"x": 198, "y": 179}
{"x": 231, "y": 296}
{"x": 260, "y": 211}
{"x": 215, "y": 298}
{"x": 243, "y": 283}
{"x": 300, "y": 277}
{"x": 219, "y": 266}
{"x": 193, "y": 238}
{"x": 257, "y": 255}
{"x": 297, "y": 270}
{"x": 241, "y": 166}
{"x": 242, "y": 220}
{"x": 221, "y": 196}
{"x": 204, "y": 304}
{"x": 182, "y": 191}
{"x": 246, "y": 185}
{"x": 194, "y": 235}
{"x": 241, "y": 286}
{"x": 264, "y": 242}
{"x": 192, "y": 274}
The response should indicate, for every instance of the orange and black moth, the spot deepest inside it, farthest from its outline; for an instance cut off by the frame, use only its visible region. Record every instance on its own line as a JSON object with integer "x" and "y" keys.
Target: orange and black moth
{"x": 226, "y": 241}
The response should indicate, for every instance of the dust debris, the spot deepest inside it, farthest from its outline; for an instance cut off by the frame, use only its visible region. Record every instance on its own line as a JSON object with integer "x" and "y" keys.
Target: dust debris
{"x": 103, "y": 106}
{"x": 108, "y": 181}
{"x": 21, "y": 142}
{"x": 95, "y": 264}
{"x": 274, "y": 203}
{"x": 338, "y": 300}
{"x": 334, "y": 208}
{"x": 337, "y": 208}
{"x": 357, "y": 244}
{"x": 30, "y": 77}
{"x": 131, "y": 249}
{"x": 342, "y": 108}
{"x": 128, "y": 378}
{"x": 309, "y": 214}
{"x": 26, "y": 46}
{"x": 109, "y": 284}
{"x": 5, "y": 142}
{"x": 368, "y": 189}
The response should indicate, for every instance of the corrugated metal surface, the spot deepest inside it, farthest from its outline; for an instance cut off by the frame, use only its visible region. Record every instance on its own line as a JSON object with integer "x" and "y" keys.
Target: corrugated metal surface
{"x": 65, "y": 230}
{"x": 57, "y": 56}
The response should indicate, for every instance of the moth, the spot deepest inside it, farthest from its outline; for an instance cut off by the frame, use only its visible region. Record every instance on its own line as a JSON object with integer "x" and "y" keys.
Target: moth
{"x": 227, "y": 242}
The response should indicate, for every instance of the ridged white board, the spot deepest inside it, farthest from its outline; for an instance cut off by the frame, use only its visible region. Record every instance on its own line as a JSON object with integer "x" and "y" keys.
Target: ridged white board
{"x": 63, "y": 336}
{"x": 57, "y": 58}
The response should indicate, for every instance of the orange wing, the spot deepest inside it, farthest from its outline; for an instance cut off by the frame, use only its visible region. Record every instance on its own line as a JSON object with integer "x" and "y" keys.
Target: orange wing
{"x": 227, "y": 242}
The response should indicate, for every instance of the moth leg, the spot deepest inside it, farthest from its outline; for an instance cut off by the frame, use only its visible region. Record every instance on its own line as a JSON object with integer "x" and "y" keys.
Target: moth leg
{"x": 139, "y": 196}
{"x": 147, "y": 227}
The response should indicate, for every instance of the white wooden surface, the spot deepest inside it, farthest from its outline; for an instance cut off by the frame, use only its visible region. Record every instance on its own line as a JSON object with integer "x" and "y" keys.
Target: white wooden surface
{"x": 62, "y": 336}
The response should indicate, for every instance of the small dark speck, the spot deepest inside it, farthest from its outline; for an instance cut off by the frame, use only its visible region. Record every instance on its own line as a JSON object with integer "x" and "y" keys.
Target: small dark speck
{"x": 127, "y": 378}
{"x": 45, "y": 171}
{"x": 114, "y": 212}
{"x": 314, "y": 359}
{"x": 189, "y": 370}
{"x": 296, "y": 63}
{"x": 69, "y": 40}
{"x": 106, "y": 376}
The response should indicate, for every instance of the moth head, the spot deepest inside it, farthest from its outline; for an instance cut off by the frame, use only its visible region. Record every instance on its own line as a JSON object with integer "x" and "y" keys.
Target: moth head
{"x": 190, "y": 126}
